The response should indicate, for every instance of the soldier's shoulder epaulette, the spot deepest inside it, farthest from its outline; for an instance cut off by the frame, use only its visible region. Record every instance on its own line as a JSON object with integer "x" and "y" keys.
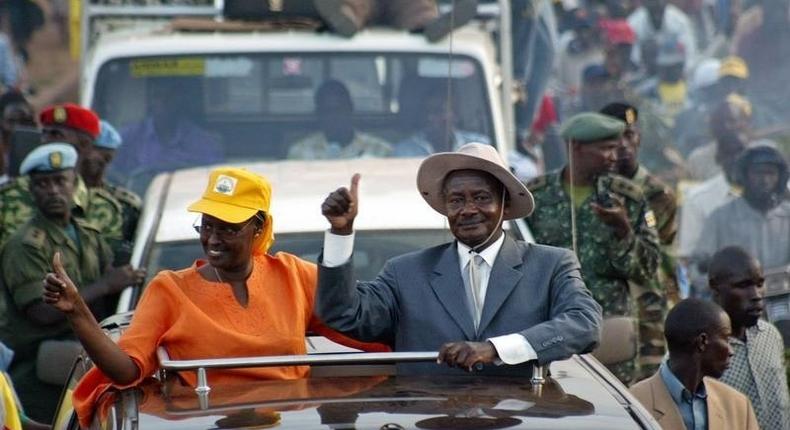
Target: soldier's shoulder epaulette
{"x": 537, "y": 183}
{"x": 654, "y": 187}
{"x": 34, "y": 236}
{"x": 626, "y": 187}
{"x": 125, "y": 196}
{"x": 87, "y": 225}
{"x": 106, "y": 195}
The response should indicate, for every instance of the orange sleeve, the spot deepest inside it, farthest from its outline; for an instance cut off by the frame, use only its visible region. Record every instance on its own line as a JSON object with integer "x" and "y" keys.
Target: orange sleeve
{"x": 153, "y": 315}
{"x": 309, "y": 280}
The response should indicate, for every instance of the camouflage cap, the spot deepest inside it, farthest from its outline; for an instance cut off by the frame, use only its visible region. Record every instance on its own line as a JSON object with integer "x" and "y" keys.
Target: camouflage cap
{"x": 51, "y": 157}
{"x": 591, "y": 127}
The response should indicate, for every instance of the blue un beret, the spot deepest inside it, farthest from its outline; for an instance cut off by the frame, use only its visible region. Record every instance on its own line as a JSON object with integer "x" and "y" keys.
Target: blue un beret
{"x": 51, "y": 157}
{"x": 109, "y": 138}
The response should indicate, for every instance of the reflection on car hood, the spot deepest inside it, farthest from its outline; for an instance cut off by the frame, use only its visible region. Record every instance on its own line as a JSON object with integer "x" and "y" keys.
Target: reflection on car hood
{"x": 566, "y": 400}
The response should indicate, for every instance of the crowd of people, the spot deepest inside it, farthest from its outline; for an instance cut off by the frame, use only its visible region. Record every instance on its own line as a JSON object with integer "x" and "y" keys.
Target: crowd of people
{"x": 699, "y": 159}
{"x": 644, "y": 168}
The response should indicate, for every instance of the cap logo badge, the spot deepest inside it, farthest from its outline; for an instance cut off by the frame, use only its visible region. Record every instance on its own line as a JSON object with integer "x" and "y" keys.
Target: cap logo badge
{"x": 630, "y": 116}
{"x": 225, "y": 185}
{"x": 59, "y": 114}
{"x": 56, "y": 160}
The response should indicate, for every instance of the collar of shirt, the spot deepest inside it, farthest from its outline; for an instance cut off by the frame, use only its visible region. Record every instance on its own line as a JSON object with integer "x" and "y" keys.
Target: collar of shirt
{"x": 751, "y": 333}
{"x": 489, "y": 254}
{"x": 780, "y": 211}
{"x": 680, "y": 394}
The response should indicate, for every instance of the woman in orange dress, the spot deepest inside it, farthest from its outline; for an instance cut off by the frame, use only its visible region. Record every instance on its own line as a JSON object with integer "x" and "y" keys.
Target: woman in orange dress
{"x": 238, "y": 302}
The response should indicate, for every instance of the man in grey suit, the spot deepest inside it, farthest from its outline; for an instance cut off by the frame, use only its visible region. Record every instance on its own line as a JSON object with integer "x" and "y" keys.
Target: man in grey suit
{"x": 484, "y": 299}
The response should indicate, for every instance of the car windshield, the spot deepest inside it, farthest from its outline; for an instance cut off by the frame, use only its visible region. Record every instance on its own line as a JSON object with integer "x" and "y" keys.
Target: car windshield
{"x": 185, "y": 111}
{"x": 371, "y": 249}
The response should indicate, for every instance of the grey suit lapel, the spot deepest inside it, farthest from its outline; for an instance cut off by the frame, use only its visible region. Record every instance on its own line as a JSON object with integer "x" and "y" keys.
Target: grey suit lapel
{"x": 504, "y": 278}
{"x": 448, "y": 286}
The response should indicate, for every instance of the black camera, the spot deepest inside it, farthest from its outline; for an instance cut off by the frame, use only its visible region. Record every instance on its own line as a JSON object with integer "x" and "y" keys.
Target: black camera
{"x": 603, "y": 196}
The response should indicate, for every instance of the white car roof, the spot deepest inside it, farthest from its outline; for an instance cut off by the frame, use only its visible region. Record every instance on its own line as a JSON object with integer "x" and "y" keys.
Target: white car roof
{"x": 135, "y": 44}
{"x": 388, "y": 196}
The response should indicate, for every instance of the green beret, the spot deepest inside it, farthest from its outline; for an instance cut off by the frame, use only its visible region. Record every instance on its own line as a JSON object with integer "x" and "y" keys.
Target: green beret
{"x": 591, "y": 127}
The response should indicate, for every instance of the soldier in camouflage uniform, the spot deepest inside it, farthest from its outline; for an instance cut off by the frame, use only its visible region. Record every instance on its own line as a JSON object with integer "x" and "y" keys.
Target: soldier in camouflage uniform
{"x": 653, "y": 301}
{"x": 26, "y": 321}
{"x": 604, "y": 217}
{"x": 93, "y": 171}
{"x": 79, "y": 127}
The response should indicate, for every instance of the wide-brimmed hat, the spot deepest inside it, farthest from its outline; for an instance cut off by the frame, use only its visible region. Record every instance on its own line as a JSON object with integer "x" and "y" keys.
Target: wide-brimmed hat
{"x": 472, "y": 156}
{"x": 235, "y": 195}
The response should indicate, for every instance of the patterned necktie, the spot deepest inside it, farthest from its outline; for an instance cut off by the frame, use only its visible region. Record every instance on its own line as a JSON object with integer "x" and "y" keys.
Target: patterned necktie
{"x": 475, "y": 263}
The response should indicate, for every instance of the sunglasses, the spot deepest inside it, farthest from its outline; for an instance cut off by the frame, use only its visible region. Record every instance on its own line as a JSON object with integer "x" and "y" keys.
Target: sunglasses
{"x": 226, "y": 231}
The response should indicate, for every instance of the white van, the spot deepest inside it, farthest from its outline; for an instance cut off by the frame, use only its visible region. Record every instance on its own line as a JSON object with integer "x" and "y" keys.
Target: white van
{"x": 249, "y": 89}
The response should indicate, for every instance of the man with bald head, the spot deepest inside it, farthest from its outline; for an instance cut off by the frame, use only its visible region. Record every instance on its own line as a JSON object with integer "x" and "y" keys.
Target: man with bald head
{"x": 757, "y": 365}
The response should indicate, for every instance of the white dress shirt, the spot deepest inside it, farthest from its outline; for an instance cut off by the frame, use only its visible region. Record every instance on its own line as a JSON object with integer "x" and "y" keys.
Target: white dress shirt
{"x": 700, "y": 201}
{"x": 675, "y": 23}
{"x": 511, "y": 348}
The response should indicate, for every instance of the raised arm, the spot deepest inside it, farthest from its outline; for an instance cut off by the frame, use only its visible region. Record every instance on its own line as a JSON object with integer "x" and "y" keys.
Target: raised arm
{"x": 341, "y": 207}
{"x": 365, "y": 311}
{"x": 114, "y": 280}
{"x": 61, "y": 293}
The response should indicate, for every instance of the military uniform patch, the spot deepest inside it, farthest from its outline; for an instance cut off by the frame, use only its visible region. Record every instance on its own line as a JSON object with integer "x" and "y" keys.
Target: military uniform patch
{"x": 650, "y": 219}
{"x": 34, "y": 237}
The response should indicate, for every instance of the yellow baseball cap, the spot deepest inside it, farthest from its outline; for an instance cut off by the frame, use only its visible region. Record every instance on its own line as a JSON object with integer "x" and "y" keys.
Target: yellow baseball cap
{"x": 235, "y": 195}
{"x": 741, "y": 103}
{"x": 734, "y": 66}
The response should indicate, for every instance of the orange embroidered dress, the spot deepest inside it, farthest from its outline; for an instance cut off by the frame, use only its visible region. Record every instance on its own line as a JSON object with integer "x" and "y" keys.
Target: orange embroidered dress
{"x": 197, "y": 319}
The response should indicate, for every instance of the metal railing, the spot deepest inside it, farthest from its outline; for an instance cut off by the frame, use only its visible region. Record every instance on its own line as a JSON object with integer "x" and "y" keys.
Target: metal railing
{"x": 355, "y": 358}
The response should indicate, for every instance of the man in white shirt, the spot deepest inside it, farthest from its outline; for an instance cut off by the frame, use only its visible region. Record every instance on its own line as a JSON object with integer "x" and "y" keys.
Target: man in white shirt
{"x": 730, "y": 126}
{"x": 656, "y": 20}
{"x": 759, "y": 220}
{"x": 482, "y": 300}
